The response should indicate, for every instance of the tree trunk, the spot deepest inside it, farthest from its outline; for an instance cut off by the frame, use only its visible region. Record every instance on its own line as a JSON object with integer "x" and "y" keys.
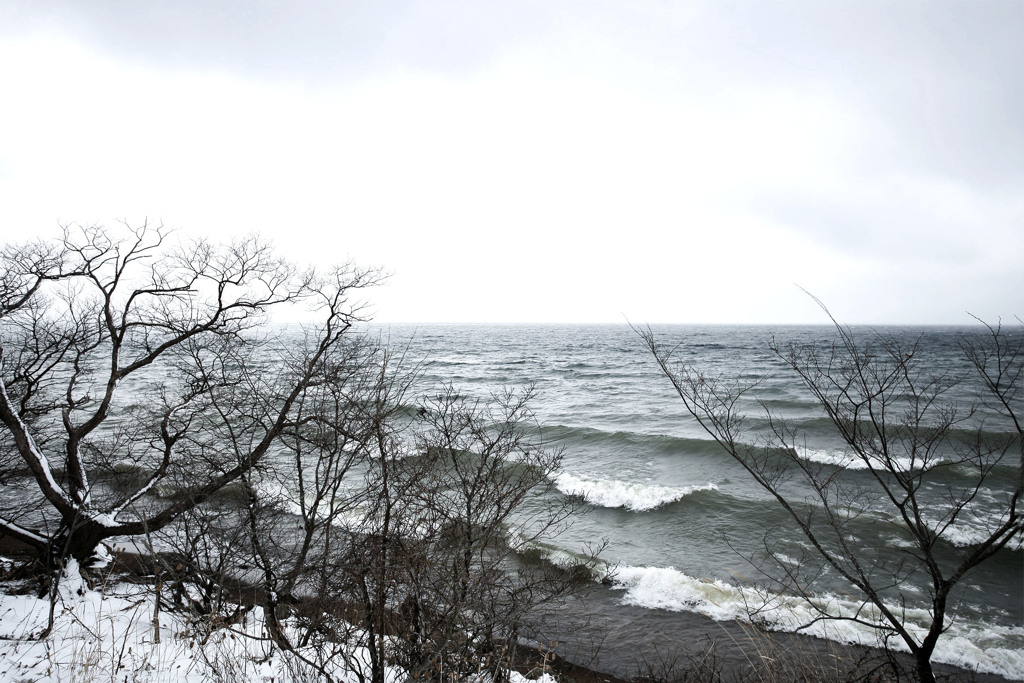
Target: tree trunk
{"x": 77, "y": 538}
{"x": 923, "y": 667}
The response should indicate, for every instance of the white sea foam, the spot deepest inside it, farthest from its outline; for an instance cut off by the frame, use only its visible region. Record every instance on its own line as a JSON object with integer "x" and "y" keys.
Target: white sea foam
{"x": 970, "y": 531}
{"x": 965, "y": 537}
{"x": 974, "y": 525}
{"x": 786, "y": 559}
{"x": 987, "y": 647}
{"x": 846, "y": 459}
{"x": 612, "y": 493}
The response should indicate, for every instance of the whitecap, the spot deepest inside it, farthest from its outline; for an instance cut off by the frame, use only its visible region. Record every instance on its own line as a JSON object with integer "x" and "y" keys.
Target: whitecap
{"x": 851, "y": 461}
{"x": 612, "y": 493}
{"x": 971, "y": 644}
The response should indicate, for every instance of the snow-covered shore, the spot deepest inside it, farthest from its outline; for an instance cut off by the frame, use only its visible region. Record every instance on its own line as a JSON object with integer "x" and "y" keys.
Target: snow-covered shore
{"x": 113, "y": 633}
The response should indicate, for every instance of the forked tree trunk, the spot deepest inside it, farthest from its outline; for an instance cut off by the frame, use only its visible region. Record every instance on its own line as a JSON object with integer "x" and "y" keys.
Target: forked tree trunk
{"x": 78, "y": 539}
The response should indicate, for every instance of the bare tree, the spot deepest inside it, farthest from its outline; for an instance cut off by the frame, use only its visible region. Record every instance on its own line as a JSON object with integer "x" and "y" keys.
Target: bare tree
{"x": 453, "y": 499}
{"x": 127, "y": 364}
{"x": 484, "y": 499}
{"x": 909, "y": 434}
{"x": 401, "y": 535}
{"x": 142, "y": 394}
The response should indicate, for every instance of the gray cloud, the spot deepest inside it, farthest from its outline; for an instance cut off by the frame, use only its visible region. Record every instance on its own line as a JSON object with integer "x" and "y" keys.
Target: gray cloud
{"x": 913, "y": 151}
{"x": 944, "y": 81}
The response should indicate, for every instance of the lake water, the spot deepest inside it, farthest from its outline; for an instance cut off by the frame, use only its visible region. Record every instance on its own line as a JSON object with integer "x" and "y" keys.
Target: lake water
{"x": 680, "y": 515}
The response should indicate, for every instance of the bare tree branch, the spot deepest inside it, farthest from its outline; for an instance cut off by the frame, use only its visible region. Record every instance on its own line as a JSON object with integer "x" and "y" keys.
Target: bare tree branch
{"x": 905, "y": 429}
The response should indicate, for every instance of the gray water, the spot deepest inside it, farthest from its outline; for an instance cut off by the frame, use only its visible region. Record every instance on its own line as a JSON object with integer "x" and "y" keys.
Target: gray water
{"x": 680, "y": 516}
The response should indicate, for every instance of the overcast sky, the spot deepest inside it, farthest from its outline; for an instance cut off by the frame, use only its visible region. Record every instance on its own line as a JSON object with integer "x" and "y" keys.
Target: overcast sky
{"x": 546, "y": 161}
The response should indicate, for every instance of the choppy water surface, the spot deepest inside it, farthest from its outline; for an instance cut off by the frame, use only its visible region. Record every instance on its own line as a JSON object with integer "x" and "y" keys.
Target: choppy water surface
{"x": 678, "y": 513}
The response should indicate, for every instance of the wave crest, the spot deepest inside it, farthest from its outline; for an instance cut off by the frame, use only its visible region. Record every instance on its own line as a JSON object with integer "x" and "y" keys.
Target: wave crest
{"x": 972, "y": 644}
{"x": 847, "y": 460}
{"x": 611, "y": 493}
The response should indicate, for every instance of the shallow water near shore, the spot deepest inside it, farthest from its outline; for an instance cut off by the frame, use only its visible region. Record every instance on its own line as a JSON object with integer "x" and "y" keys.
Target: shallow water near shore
{"x": 618, "y": 639}
{"x": 678, "y": 514}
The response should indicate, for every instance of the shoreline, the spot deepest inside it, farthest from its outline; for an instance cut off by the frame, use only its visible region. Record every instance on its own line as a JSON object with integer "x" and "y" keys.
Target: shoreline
{"x": 735, "y": 649}
{"x": 662, "y": 638}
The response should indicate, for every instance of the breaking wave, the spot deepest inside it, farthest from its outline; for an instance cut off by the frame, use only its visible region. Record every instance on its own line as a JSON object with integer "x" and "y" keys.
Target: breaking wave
{"x": 612, "y": 493}
{"x": 991, "y": 648}
{"x": 845, "y": 459}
